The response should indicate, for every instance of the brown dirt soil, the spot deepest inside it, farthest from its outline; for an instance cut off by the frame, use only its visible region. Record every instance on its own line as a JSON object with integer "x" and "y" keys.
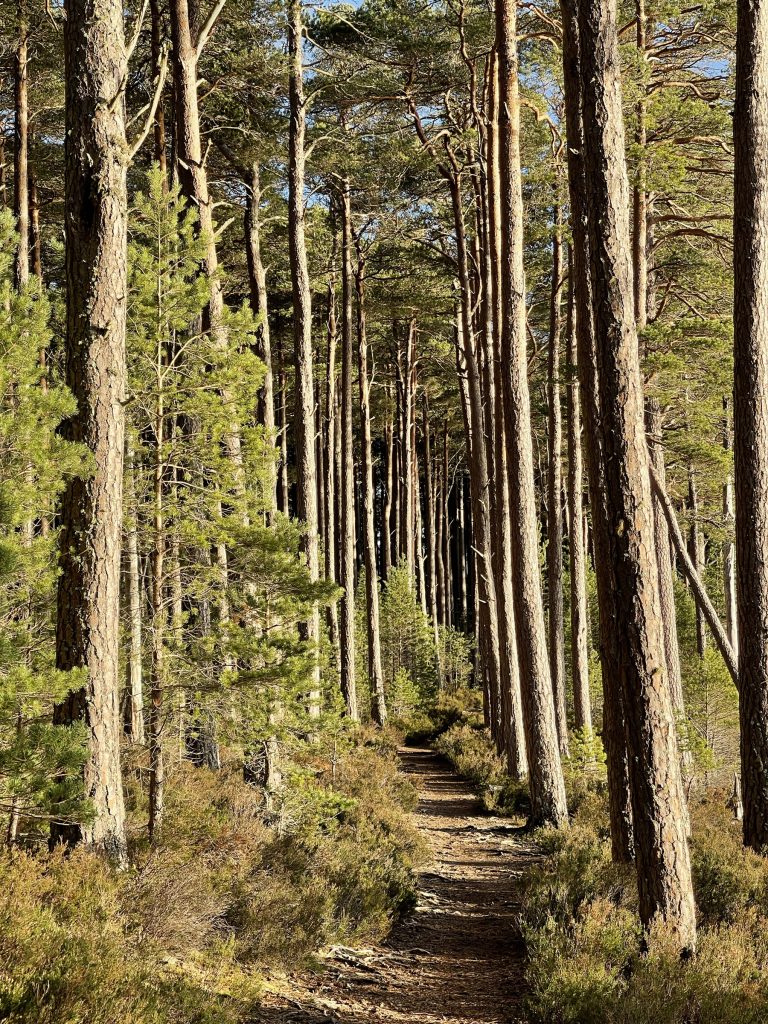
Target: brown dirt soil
{"x": 459, "y": 958}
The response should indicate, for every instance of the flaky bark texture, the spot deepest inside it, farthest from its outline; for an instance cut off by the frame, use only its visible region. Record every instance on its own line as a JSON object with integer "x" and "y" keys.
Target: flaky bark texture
{"x": 513, "y": 728}
{"x": 658, "y": 800}
{"x": 548, "y": 803}
{"x": 613, "y": 715}
{"x": 87, "y": 629}
{"x": 304, "y": 422}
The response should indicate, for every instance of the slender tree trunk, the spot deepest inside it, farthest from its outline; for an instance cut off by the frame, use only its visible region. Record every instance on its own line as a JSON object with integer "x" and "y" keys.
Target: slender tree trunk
{"x": 407, "y": 524}
{"x": 257, "y": 279}
{"x": 304, "y": 422}
{"x": 157, "y": 674}
{"x": 640, "y": 195}
{"x": 548, "y": 802}
{"x": 375, "y": 670}
{"x": 21, "y": 150}
{"x": 698, "y": 590}
{"x": 729, "y": 549}
{"x": 348, "y": 520}
{"x": 331, "y": 523}
{"x": 283, "y": 503}
{"x": 88, "y": 621}
{"x": 555, "y": 486}
{"x": 622, "y": 844}
{"x": 696, "y": 553}
{"x": 386, "y": 517}
{"x": 158, "y": 128}
{"x": 34, "y": 221}
{"x": 658, "y": 800}
{"x": 582, "y": 704}
{"x": 134, "y": 703}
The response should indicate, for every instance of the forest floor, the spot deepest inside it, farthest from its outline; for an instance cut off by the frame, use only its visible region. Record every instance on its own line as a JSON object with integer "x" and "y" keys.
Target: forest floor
{"x": 458, "y": 958}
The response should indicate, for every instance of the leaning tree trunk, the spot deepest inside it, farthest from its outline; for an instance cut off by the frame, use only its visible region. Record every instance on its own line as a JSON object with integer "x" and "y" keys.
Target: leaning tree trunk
{"x": 664, "y": 559}
{"x": 696, "y": 552}
{"x": 658, "y": 800}
{"x": 304, "y": 423}
{"x": 548, "y": 802}
{"x": 88, "y": 623}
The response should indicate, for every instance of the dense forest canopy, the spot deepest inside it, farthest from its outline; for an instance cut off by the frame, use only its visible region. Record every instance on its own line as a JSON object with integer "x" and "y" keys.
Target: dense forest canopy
{"x": 372, "y": 372}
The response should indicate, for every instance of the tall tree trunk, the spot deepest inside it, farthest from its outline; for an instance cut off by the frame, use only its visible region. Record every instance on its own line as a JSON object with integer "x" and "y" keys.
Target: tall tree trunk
{"x": 283, "y": 502}
{"x": 134, "y": 700}
{"x": 375, "y": 670}
{"x": 407, "y": 525}
{"x": 158, "y": 127}
{"x": 555, "y": 485}
{"x": 21, "y": 149}
{"x": 348, "y": 521}
{"x": 640, "y": 195}
{"x": 729, "y": 549}
{"x": 582, "y": 704}
{"x": 548, "y": 802}
{"x": 386, "y": 513}
{"x": 88, "y": 623}
{"x": 658, "y": 800}
{"x": 304, "y": 423}
{"x": 331, "y": 523}
{"x": 34, "y": 223}
{"x": 257, "y": 280}
{"x": 622, "y": 845}
{"x": 157, "y": 673}
{"x": 513, "y": 726}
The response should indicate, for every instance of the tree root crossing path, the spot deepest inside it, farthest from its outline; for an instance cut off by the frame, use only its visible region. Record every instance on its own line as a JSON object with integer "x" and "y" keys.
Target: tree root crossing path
{"x": 459, "y": 958}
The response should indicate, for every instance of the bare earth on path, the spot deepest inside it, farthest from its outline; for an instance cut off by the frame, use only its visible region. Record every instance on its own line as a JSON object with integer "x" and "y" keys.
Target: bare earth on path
{"x": 459, "y": 958}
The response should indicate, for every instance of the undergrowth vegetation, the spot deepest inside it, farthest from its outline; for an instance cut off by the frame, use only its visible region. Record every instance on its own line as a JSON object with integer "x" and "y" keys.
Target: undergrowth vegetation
{"x": 588, "y": 961}
{"x": 231, "y": 889}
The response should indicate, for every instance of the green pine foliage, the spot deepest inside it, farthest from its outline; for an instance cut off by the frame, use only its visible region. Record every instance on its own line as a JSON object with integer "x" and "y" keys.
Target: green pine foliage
{"x": 39, "y": 765}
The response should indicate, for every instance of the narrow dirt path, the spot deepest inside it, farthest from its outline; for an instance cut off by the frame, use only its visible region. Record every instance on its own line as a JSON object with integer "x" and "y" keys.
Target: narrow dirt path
{"x": 459, "y": 958}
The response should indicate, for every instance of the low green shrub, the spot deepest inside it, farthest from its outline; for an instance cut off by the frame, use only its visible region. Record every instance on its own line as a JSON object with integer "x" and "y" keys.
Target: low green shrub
{"x": 588, "y": 963}
{"x": 182, "y": 936}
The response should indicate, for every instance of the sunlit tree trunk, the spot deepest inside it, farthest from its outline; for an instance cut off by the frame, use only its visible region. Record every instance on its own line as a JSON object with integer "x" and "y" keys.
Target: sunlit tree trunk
{"x": 622, "y": 845}
{"x": 658, "y": 800}
{"x": 88, "y": 624}
{"x": 547, "y": 788}
{"x": 750, "y": 408}
{"x": 347, "y": 521}
{"x": 304, "y": 421}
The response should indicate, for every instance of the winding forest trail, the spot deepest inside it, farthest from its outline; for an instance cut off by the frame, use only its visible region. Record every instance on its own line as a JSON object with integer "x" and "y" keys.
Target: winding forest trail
{"x": 458, "y": 959}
